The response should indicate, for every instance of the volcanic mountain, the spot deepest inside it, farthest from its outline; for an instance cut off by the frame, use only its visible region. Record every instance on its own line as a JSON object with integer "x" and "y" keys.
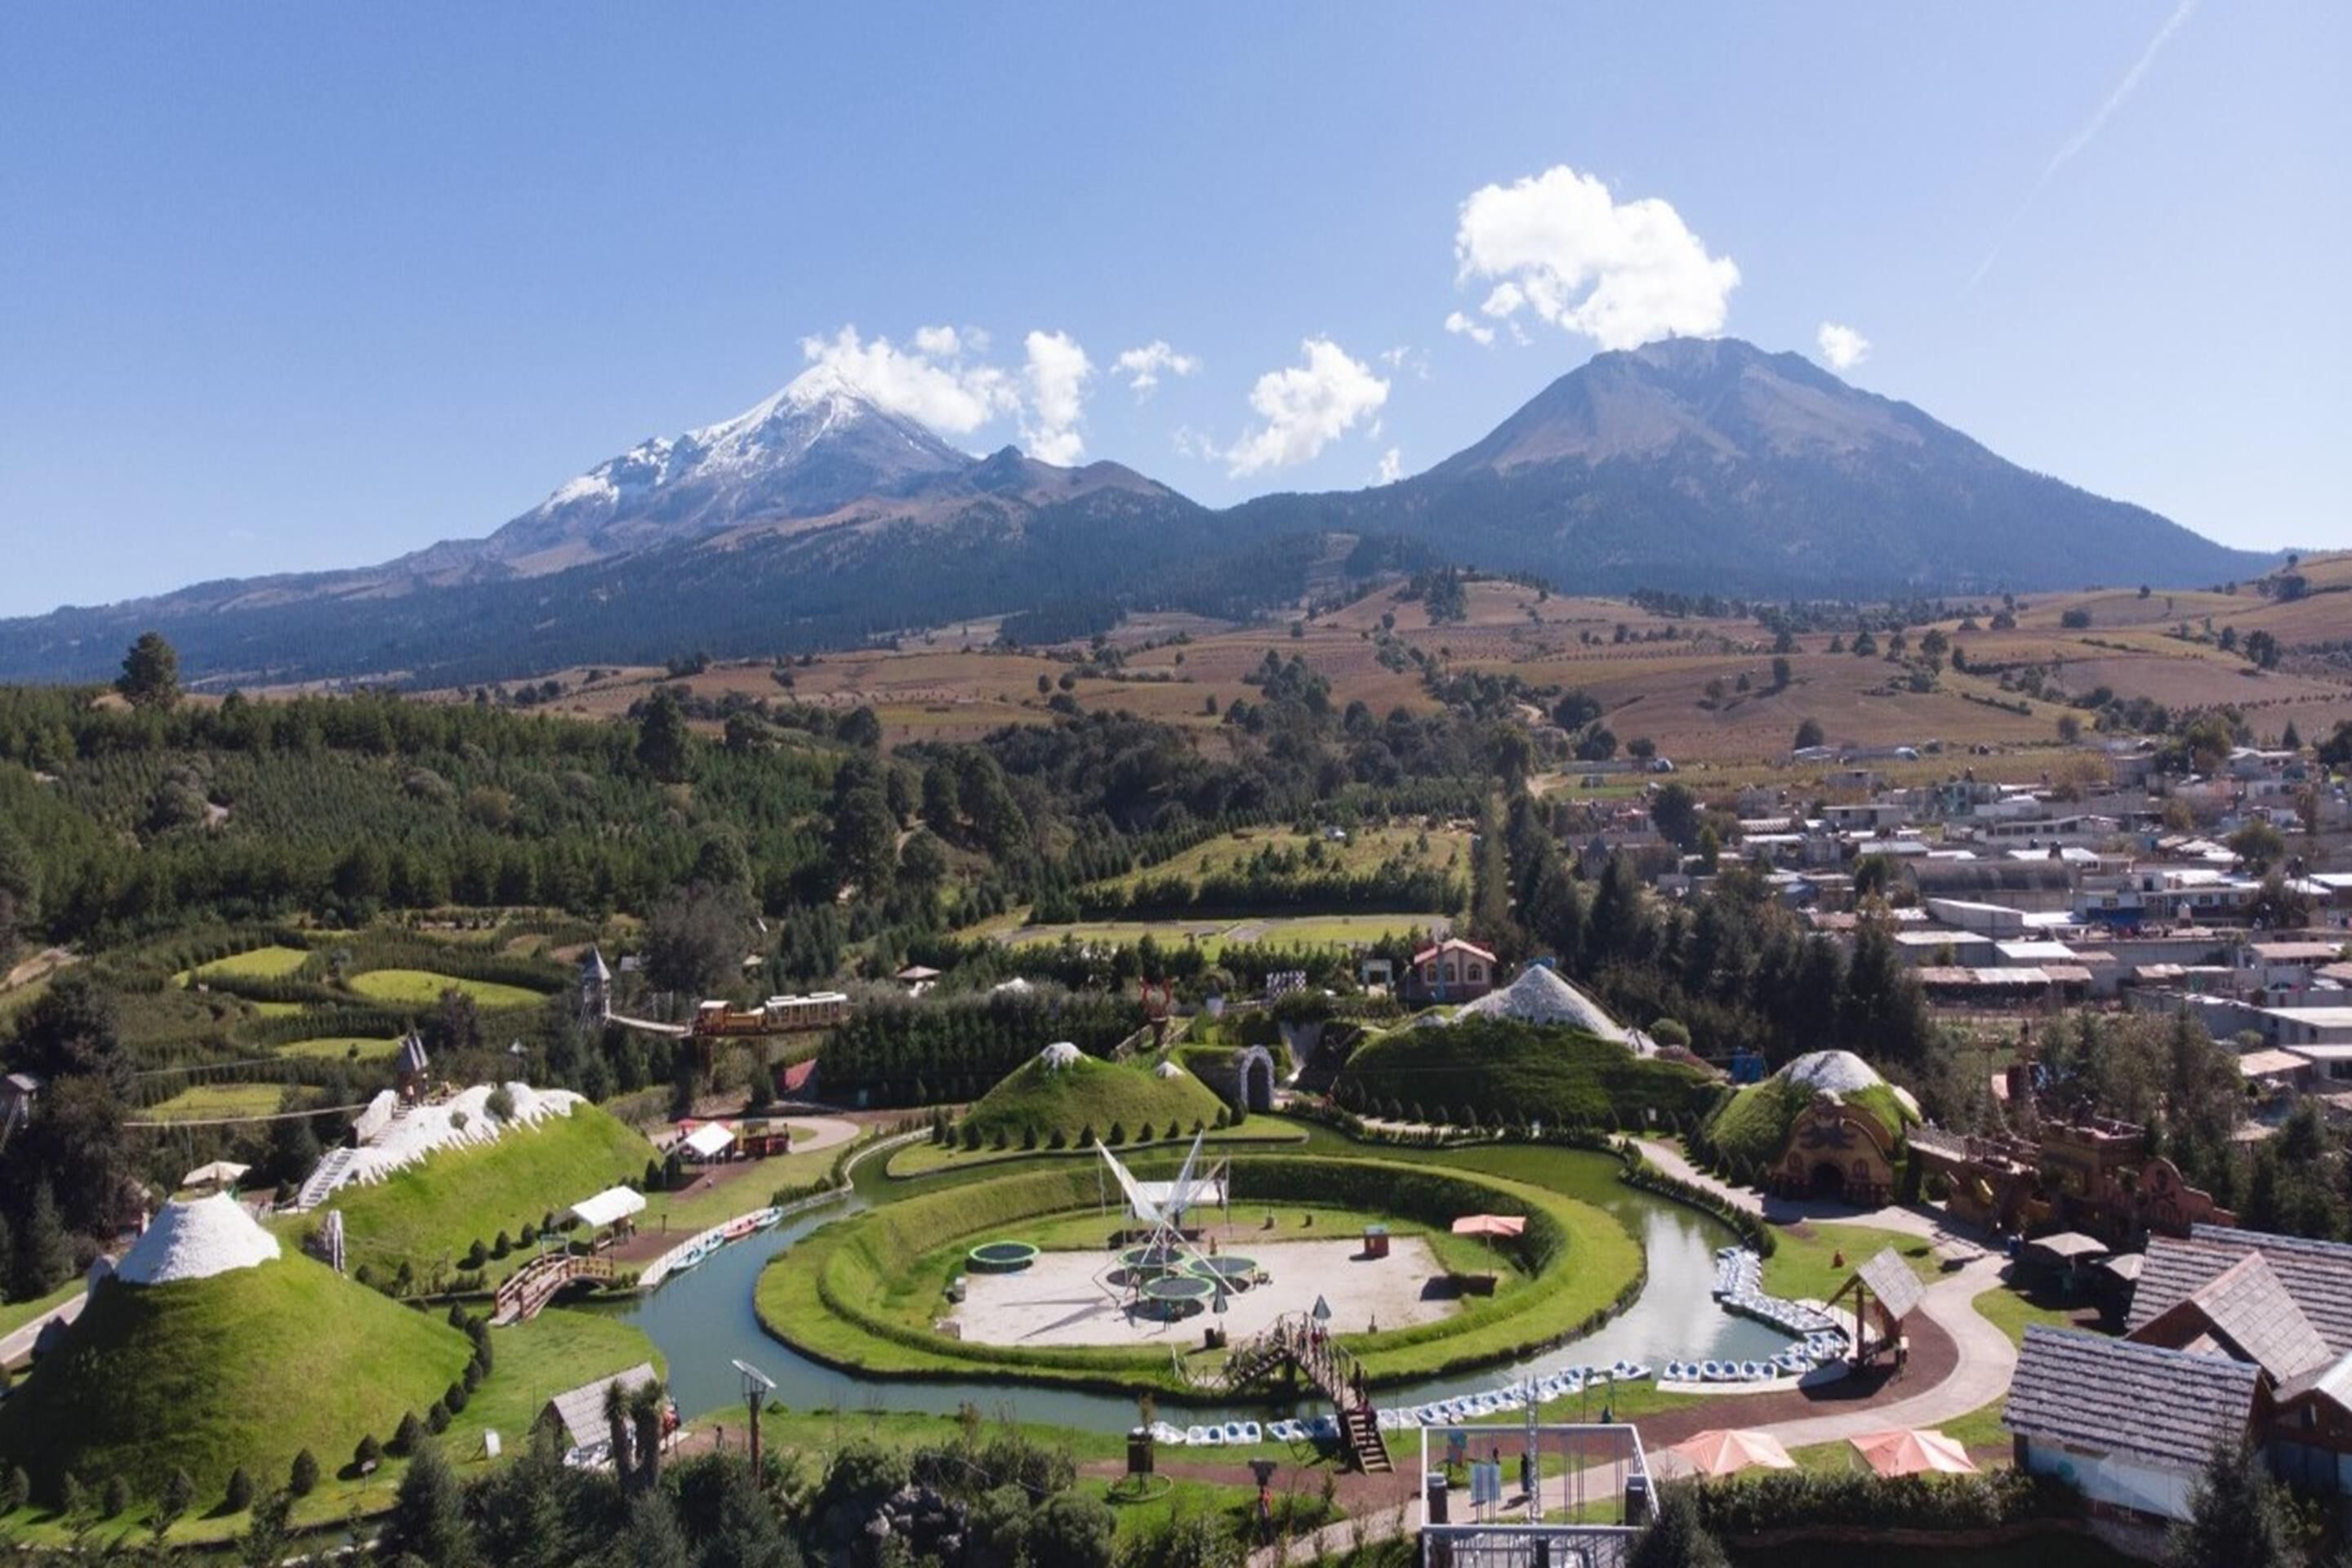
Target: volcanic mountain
{"x": 822, "y": 517}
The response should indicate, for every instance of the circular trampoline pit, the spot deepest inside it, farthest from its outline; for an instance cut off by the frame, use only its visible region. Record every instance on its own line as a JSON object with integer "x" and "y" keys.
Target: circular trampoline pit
{"x": 1001, "y": 1256}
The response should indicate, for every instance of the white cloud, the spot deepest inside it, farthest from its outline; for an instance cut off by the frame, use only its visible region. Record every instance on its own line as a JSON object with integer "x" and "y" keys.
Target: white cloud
{"x": 1146, "y": 366}
{"x": 1462, "y": 325}
{"x": 1842, "y": 348}
{"x": 935, "y": 385}
{"x": 1619, "y": 273}
{"x": 1307, "y": 408}
{"x": 1392, "y": 468}
{"x": 1057, "y": 374}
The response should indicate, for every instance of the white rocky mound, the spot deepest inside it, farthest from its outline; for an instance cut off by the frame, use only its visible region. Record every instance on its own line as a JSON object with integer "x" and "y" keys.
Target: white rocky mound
{"x": 196, "y": 1241}
{"x": 1840, "y": 1072}
{"x": 1168, "y": 1069}
{"x": 390, "y": 1137}
{"x": 1540, "y": 996}
{"x": 1059, "y": 1055}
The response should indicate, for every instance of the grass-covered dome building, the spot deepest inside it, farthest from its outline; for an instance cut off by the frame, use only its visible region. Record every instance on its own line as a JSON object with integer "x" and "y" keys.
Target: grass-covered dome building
{"x": 1825, "y": 1125}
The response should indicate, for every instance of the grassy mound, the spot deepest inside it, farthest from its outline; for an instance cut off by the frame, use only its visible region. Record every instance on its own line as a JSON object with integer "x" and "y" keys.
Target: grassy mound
{"x": 1749, "y": 1129}
{"x": 244, "y": 1368}
{"x": 433, "y": 1211}
{"x": 421, "y": 987}
{"x": 1034, "y": 1100}
{"x": 861, "y": 1293}
{"x": 1507, "y": 1071}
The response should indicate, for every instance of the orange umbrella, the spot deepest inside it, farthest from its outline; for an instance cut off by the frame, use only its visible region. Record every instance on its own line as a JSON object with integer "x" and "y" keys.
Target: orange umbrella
{"x": 1491, "y": 1224}
{"x": 1728, "y": 1452}
{"x": 1901, "y": 1453}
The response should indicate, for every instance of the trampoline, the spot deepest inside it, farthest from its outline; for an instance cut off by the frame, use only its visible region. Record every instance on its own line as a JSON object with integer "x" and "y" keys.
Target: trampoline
{"x": 1001, "y": 1256}
{"x": 1235, "y": 1272}
{"x": 1173, "y": 1296}
{"x": 1148, "y": 1262}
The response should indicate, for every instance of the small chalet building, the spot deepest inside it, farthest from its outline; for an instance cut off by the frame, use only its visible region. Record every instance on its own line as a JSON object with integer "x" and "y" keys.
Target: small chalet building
{"x": 2232, "y": 1333}
{"x": 18, "y": 1090}
{"x": 2130, "y": 1426}
{"x": 1453, "y": 971}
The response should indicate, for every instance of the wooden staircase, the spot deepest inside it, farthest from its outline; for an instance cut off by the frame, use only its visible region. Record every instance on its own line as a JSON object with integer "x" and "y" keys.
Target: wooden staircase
{"x": 1295, "y": 1342}
{"x": 1367, "y": 1450}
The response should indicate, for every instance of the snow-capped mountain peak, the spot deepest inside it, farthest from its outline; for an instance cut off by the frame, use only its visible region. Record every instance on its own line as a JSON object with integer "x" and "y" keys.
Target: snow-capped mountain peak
{"x": 816, "y": 445}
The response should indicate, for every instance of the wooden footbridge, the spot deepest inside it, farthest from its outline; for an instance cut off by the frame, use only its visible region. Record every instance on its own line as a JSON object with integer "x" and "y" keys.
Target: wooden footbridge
{"x": 536, "y": 1283}
{"x": 1296, "y": 1345}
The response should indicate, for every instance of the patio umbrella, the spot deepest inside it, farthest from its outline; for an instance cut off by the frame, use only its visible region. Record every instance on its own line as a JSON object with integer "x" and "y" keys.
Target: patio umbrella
{"x": 219, "y": 1173}
{"x": 1491, "y": 1224}
{"x": 1322, "y": 1310}
{"x": 1903, "y": 1453}
{"x": 1726, "y": 1452}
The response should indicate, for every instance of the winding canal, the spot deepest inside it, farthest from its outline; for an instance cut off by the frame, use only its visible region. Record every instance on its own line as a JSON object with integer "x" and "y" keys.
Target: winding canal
{"x": 703, "y": 1321}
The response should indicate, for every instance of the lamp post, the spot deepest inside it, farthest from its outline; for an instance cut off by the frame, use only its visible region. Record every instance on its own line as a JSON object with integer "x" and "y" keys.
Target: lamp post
{"x": 756, "y": 1386}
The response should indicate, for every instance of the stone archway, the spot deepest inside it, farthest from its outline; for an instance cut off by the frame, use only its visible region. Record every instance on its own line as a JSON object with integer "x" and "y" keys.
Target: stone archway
{"x": 1255, "y": 1078}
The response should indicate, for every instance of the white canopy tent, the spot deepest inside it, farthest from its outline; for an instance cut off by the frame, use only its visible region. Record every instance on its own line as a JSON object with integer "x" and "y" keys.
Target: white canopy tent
{"x": 609, "y": 1207}
{"x": 708, "y": 1141}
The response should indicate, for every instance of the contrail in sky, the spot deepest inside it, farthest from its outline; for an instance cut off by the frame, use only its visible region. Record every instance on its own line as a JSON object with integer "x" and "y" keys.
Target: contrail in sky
{"x": 2091, "y": 129}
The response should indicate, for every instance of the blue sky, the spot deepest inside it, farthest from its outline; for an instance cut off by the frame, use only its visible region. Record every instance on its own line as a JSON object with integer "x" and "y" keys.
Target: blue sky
{"x": 307, "y": 288}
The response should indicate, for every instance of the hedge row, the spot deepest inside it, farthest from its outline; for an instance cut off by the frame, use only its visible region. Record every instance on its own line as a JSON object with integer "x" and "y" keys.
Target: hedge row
{"x": 1782, "y": 1500}
{"x": 825, "y": 1297}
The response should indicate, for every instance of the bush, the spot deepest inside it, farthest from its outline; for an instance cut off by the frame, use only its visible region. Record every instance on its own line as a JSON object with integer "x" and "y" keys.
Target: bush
{"x": 454, "y": 1400}
{"x": 1785, "y": 1499}
{"x": 368, "y": 1455}
{"x": 179, "y": 1497}
{"x": 404, "y": 1438}
{"x": 114, "y": 1498}
{"x": 303, "y": 1479}
{"x": 16, "y": 1490}
{"x": 436, "y": 1420}
{"x": 239, "y": 1495}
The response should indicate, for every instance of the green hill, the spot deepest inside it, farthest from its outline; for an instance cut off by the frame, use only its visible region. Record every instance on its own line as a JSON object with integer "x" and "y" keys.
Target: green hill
{"x": 243, "y": 1368}
{"x": 1089, "y": 1093}
{"x": 433, "y": 1211}
{"x": 1507, "y": 1071}
{"x": 1751, "y": 1128}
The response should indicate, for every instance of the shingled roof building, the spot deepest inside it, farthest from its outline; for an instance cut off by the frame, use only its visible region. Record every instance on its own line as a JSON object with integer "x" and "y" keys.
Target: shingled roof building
{"x": 2130, "y": 1426}
{"x": 2280, "y": 1303}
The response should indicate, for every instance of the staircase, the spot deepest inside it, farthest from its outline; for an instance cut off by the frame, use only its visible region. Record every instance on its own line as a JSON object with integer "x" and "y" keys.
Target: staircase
{"x": 1296, "y": 1341}
{"x": 322, "y": 1181}
{"x": 1366, "y": 1449}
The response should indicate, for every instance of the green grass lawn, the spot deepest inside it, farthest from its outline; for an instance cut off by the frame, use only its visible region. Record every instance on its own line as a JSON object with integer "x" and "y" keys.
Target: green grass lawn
{"x": 531, "y": 1363}
{"x": 434, "y": 1210}
{"x": 341, "y": 1047}
{"x": 421, "y": 987}
{"x": 14, "y": 1315}
{"x": 1037, "y": 1100}
{"x": 271, "y": 962}
{"x": 696, "y": 1208}
{"x": 1805, "y": 1267}
{"x": 1365, "y": 850}
{"x": 861, "y": 1293}
{"x": 2012, "y": 1311}
{"x": 212, "y": 1100}
{"x": 924, "y": 1159}
{"x": 243, "y": 1368}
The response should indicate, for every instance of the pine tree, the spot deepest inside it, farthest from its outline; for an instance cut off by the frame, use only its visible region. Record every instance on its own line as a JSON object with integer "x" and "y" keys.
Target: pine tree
{"x": 428, "y": 1514}
{"x": 2236, "y": 1517}
{"x": 304, "y": 1479}
{"x": 1676, "y": 1538}
{"x": 44, "y": 1250}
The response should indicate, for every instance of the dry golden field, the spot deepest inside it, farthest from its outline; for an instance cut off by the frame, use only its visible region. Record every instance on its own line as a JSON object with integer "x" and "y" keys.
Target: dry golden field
{"x": 950, "y": 684}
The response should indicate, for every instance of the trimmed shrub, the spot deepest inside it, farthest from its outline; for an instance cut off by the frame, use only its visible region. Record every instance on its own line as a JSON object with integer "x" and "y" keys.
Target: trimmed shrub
{"x": 303, "y": 1478}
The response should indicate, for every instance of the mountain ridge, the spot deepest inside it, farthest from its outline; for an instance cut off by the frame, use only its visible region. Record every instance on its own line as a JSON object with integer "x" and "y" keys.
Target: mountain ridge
{"x": 1695, "y": 465}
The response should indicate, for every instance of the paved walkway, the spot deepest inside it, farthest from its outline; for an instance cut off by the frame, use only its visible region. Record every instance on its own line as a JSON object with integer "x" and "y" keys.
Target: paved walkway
{"x": 14, "y": 1347}
{"x": 1985, "y": 1357}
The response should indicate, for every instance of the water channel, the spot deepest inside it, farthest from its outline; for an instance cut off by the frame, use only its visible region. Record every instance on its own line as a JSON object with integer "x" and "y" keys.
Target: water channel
{"x": 703, "y": 1321}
